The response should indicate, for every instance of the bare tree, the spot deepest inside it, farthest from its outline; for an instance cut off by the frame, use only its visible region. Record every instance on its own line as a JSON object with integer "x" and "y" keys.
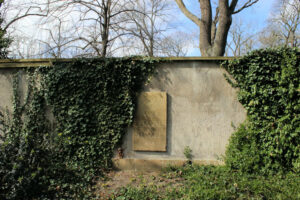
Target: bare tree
{"x": 14, "y": 11}
{"x": 214, "y": 29}
{"x": 270, "y": 37}
{"x": 24, "y": 47}
{"x": 175, "y": 44}
{"x": 283, "y": 27}
{"x": 289, "y": 19}
{"x": 60, "y": 39}
{"x": 148, "y": 22}
{"x": 98, "y": 23}
{"x": 239, "y": 41}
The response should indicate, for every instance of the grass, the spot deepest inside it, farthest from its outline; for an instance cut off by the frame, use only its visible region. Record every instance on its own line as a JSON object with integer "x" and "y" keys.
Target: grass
{"x": 216, "y": 182}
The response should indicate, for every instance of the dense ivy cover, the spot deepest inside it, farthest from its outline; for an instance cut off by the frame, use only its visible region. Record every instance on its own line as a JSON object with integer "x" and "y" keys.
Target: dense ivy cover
{"x": 269, "y": 83}
{"x": 29, "y": 164}
{"x": 93, "y": 102}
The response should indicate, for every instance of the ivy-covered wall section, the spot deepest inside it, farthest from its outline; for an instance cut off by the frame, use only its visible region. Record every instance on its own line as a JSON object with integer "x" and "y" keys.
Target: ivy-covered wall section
{"x": 93, "y": 102}
{"x": 269, "y": 83}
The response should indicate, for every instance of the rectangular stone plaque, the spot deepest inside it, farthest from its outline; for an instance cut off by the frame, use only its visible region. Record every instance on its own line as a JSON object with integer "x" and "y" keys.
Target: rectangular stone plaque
{"x": 150, "y": 123}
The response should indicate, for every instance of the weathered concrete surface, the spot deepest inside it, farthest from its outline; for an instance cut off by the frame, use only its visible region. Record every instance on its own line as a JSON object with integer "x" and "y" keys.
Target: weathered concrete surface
{"x": 6, "y": 88}
{"x": 202, "y": 107}
{"x": 150, "y": 125}
{"x": 6, "y": 81}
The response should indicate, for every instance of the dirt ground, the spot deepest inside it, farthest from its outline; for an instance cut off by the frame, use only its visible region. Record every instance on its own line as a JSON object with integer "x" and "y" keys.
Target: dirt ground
{"x": 115, "y": 180}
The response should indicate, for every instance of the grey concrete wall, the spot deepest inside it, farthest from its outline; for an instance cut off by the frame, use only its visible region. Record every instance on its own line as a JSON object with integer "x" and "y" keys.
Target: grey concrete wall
{"x": 6, "y": 87}
{"x": 6, "y": 80}
{"x": 201, "y": 108}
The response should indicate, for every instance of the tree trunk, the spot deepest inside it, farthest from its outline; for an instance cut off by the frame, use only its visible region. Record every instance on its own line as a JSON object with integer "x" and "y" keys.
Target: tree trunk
{"x": 105, "y": 27}
{"x": 214, "y": 46}
{"x": 205, "y": 28}
{"x": 213, "y": 33}
{"x": 225, "y": 20}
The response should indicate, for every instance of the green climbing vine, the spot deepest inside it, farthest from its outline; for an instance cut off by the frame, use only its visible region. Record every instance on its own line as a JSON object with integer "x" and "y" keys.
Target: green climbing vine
{"x": 268, "y": 82}
{"x": 25, "y": 148}
{"x": 93, "y": 103}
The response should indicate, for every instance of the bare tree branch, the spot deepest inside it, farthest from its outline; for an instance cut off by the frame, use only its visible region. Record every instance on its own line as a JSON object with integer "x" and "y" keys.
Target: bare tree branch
{"x": 246, "y": 5}
{"x": 28, "y": 12}
{"x": 187, "y": 13}
{"x": 148, "y": 22}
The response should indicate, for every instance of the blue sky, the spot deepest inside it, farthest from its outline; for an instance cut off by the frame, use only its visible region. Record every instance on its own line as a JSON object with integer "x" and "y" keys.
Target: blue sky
{"x": 255, "y": 17}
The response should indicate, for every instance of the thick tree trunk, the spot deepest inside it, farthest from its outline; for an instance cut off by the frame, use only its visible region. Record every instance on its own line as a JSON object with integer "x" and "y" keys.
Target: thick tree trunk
{"x": 218, "y": 45}
{"x": 213, "y": 33}
{"x": 205, "y": 43}
{"x": 225, "y": 20}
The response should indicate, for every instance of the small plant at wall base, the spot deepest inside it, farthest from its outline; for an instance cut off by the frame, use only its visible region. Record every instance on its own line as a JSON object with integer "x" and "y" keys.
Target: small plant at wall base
{"x": 269, "y": 141}
{"x": 188, "y": 154}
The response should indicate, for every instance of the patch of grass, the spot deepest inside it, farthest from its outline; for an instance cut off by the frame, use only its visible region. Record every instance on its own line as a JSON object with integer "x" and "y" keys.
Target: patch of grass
{"x": 218, "y": 182}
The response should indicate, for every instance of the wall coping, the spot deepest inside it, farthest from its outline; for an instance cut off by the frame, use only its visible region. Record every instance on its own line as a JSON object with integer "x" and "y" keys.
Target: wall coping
{"x": 16, "y": 63}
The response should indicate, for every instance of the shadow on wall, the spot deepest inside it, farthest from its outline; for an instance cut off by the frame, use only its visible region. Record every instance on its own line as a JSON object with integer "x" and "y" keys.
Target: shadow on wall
{"x": 162, "y": 79}
{"x": 128, "y": 139}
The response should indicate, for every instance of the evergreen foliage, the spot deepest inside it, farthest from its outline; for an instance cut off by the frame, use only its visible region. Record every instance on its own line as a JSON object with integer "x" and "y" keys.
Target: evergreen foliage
{"x": 93, "y": 102}
{"x": 4, "y": 40}
{"x": 268, "y": 82}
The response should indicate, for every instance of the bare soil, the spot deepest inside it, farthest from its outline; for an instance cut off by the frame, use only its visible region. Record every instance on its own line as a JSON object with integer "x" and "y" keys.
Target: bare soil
{"x": 115, "y": 180}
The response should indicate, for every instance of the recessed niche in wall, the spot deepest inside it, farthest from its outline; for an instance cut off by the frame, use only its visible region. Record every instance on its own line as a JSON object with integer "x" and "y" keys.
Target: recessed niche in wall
{"x": 150, "y": 123}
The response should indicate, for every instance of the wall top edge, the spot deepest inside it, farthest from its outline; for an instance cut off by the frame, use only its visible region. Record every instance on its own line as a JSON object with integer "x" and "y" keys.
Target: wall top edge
{"x": 15, "y": 63}
{"x": 216, "y": 58}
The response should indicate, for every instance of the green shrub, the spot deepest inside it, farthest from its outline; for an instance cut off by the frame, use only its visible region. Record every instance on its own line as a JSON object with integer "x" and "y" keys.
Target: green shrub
{"x": 268, "y": 81}
{"x": 242, "y": 152}
{"x": 5, "y": 41}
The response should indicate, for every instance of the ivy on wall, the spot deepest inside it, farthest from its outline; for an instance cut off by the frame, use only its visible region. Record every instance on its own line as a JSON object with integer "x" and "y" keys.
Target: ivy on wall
{"x": 268, "y": 82}
{"x": 93, "y": 103}
{"x": 26, "y": 155}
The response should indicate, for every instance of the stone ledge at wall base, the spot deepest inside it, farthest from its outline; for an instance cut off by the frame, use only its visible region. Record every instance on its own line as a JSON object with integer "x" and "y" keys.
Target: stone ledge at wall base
{"x": 155, "y": 164}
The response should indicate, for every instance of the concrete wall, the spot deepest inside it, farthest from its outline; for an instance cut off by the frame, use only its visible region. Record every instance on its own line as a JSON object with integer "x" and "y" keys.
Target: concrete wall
{"x": 6, "y": 87}
{"x": 201, "y": 108}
